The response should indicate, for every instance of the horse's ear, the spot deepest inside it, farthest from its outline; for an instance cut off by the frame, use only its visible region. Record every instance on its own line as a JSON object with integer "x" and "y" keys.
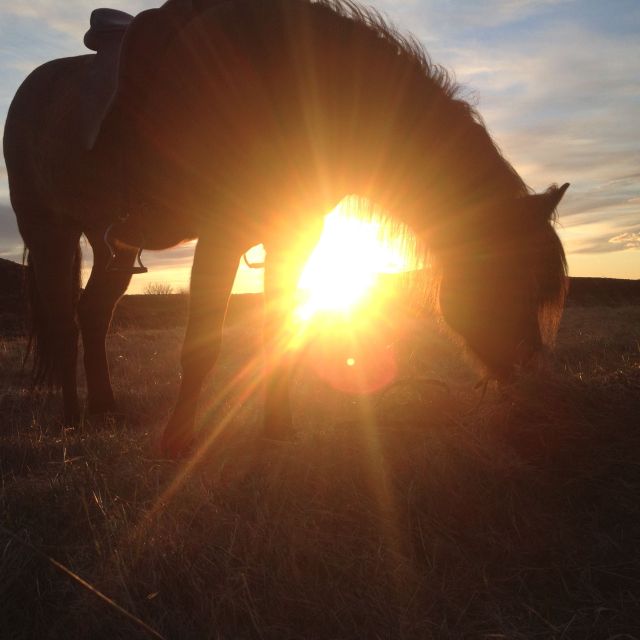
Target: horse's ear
{"x": 543, "y": 205}
{"x": 556, "y": 194}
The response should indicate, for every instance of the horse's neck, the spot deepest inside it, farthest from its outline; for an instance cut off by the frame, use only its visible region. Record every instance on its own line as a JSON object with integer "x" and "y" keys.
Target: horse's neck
{"x": 466, "y": 178}
{"x": 429, "y": 174}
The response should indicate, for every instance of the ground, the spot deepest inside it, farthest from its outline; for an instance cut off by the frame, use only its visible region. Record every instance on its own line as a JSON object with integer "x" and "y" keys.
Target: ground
{"x": 421, "y": 511}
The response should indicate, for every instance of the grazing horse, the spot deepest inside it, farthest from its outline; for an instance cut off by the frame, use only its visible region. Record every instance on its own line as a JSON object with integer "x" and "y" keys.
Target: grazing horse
{"x": 242, "y": 121}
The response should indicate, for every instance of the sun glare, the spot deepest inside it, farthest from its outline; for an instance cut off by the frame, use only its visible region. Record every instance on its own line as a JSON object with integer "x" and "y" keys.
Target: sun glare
{"x": 346, "y": 313}
{"x": 345, "y": 265}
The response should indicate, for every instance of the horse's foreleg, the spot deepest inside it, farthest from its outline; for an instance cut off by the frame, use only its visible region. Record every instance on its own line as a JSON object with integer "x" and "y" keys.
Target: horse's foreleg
{"x": 95, "y": 310}
{"x": 283, "y": 268}
{"x": 212, "y": 275}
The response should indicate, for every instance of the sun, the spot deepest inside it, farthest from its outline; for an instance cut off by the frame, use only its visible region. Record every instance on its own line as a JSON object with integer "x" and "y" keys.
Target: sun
{"x": 345, "y": 266}
{"x": 347, "y": 313}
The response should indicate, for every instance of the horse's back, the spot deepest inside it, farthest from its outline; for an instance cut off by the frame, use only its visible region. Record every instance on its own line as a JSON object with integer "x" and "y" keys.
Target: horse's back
{"x": 47, "y": 98}
{"x": 286, "y": 88}
{"x": 42, "y": 139}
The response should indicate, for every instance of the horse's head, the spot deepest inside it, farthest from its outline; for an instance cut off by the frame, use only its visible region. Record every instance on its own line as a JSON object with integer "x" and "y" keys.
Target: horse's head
{"x": 503, "y": 290}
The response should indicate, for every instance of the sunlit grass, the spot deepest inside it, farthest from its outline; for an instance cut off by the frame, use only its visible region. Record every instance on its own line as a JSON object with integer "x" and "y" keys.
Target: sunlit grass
{"x": 414, "y": 513}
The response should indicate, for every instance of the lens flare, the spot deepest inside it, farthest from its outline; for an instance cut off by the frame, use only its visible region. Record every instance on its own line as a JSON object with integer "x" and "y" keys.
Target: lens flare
{"x": 347, "y": 301}
{"x": 372, "y": 366}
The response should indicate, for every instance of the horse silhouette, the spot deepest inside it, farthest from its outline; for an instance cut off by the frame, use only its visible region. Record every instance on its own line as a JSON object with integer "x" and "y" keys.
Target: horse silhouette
{"x": 243, "y": 121}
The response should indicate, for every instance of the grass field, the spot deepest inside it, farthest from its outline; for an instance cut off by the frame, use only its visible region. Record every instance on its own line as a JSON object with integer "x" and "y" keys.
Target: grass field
{"x": 422, "y": 511}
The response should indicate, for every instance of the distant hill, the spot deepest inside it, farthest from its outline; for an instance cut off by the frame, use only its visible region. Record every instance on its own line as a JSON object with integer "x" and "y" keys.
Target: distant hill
{"x": 148, "y": 311}
{"x": 605, "y": 292}
{"x": 161, "y": 311}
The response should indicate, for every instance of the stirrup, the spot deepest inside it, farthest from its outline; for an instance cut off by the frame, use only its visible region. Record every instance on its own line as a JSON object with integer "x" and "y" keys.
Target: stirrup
{"x": 140, "y": 268}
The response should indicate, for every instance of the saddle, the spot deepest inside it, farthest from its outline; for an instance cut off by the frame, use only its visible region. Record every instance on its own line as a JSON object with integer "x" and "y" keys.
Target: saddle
{"x": 126, "y": 48}
{"x": 105, "y": 35}
{"x": 106, "y": 25}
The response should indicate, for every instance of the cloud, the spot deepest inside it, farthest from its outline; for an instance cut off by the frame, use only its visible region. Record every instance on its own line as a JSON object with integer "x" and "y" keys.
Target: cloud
{"x": 70, "y": 18}
{"x": 443, "y": 20}
{"x": 629, "y": 239}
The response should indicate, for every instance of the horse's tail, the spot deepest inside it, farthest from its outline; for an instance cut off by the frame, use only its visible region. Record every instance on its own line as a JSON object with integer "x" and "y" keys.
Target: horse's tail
{"x": 43, "y": 343}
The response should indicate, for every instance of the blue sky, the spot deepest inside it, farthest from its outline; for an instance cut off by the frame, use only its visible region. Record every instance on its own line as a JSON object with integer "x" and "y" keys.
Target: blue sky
{"x": 557, "y": 82}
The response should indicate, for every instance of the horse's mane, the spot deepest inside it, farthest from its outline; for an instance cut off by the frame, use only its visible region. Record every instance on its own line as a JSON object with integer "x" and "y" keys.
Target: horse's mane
{"x": 495, "y": 176}
{"x": 460, "y": 110}
{"x": 405, "y": 43}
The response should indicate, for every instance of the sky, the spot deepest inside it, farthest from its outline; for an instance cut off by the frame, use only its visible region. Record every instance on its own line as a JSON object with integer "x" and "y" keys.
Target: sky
{"x": 557, "y": 83}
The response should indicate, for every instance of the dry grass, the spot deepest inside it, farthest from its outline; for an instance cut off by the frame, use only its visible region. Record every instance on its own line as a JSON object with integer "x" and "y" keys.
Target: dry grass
{"x": 415, "y": 513}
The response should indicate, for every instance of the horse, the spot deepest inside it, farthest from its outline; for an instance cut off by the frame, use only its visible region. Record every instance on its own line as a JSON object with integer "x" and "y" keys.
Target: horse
{"x": 236, "y": 122}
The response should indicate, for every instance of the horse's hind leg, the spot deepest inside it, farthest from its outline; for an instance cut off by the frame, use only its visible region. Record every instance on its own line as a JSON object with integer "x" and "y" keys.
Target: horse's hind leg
{"x": 95, "y": 310}
{"x": 54, "y": 284}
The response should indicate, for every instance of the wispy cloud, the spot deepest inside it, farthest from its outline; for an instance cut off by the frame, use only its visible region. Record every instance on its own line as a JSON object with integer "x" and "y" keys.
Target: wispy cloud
{"x": 628, "y": 239}
{"x": 70, "y": 18}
